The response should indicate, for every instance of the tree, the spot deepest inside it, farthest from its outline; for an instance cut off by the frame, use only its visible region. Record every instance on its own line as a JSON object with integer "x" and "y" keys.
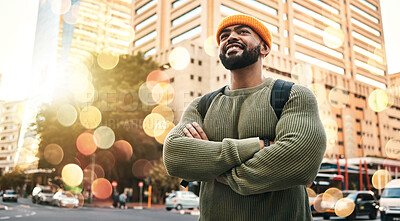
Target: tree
{"x": 162, "y": 183}
{"x": 121, "y": 110}
{"x": 12, "y": 180}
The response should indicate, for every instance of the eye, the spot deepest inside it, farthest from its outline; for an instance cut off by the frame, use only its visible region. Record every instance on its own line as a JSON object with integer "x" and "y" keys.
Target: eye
{"x": 223, "y": 36}
{"x": 243, "y": 31}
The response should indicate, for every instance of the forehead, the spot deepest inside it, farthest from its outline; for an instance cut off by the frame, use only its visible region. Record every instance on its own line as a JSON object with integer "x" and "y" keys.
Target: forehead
{"x": 235, "y": 27}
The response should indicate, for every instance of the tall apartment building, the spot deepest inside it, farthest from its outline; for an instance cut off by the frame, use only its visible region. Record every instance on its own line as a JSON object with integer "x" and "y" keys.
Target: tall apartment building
{"x": 334, "y": 47}
{"x": 10, "y": 127}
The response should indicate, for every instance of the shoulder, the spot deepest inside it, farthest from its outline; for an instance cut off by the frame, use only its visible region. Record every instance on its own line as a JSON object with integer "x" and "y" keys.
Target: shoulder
{"x": 301, "y": 92}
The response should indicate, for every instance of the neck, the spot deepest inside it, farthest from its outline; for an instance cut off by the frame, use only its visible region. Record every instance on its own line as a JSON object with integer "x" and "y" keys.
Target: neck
{"x": 249, "y": 76}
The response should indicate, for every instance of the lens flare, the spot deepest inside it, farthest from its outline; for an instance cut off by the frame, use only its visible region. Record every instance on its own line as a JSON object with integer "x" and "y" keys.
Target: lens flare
{"x": 331, "y": 196}
{"x": 90, "y": 117}
{"x": 339, "y": 97}
{"x": 162, "y": 129}
{"x": 86, "y": 144}
{"x": 179, "y": 58}
{"x": 333, "y": 37}
{"x": 165, "y": 111}
{"x": 392, "y": 148}
{"x": 67, "y": 115}
{"x": 87, "y": 96}
{"x": 380, "y": 179}
{"x": 344, "y": 207}
{"x": 145, "y": 95}
{"x": 141, "y": 168}
{"x": 122, "y": 150}
{"x": 102, "y": 188}
{"x": 107, "y": 61}
{"x": 150, "y": 123}
{"x": 99, "y": 171}
{"x": 72, "y": 175}
{"x": 378, "y": 100}
{"x": 163, "y": 93}
{"x": 155, "y": 77}
{"x": 53, "y": 154}
{"x": 60, "y": 7}
{"x": 210, "y": 46}
{"x": 72, "y": 15}
{"x": 104, "y": 137}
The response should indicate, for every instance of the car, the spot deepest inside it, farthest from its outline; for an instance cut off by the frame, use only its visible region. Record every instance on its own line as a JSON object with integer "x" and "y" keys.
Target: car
{"x": 390, "y": 201}
{"x": 182, "y": 200}
{"x": 42, "y": 194}
{"x": 10, "y": 195}
{"x": 365, "y": 203}
{"x": 65, "y": 199}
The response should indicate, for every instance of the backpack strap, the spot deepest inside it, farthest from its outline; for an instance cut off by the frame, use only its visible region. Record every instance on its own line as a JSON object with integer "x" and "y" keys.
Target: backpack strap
{"x": 280, "y": 95}
{"x": 206, "y": 101}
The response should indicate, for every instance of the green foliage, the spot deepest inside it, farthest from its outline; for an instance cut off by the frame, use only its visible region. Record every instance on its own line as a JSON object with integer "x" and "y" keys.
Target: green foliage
{"x": 122, "y": 111}
{"x": 12, "y": 180}
{"x": 162, "y": 182}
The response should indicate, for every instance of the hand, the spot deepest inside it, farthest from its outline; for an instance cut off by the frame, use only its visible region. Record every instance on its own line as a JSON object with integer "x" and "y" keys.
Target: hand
{"x": 194, "y": 131}
{"x": 262, "y": 143}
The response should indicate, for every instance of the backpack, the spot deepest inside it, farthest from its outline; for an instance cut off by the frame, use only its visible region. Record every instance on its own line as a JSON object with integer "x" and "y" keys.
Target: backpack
{"x": 279, "y": 96}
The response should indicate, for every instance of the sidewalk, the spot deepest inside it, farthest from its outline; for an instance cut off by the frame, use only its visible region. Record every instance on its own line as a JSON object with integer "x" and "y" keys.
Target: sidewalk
{"x": 131, "y": 205}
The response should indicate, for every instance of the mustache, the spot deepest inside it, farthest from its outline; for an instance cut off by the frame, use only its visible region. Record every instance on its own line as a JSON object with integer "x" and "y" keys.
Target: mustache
{"x": 234, "y": 42}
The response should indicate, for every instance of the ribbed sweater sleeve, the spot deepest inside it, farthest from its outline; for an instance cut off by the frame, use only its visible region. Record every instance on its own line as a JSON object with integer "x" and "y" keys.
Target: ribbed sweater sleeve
{"x": 295, "y": 156}
{"x": 201, "y": 160}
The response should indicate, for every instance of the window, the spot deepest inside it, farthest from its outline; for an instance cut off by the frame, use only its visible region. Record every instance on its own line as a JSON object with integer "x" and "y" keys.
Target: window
{"x": 186, "y": 35}
{"x": 369, "y": 5}
{"x": 319, "y": 63}
{"x": 186, "y": 16}
{"x": 172, "y": 80}
{"x": 261, "y": 6}
{"x": 366, "y": 40}
{"x": 200, "y": 78}
{"x": 200, "y": 63}
{"x": 192, "y": 93}
{"x": 217, "y": 78}
{"x": 150, "y": 52}
{"x": 146, "y": 6}
{"x": 363, "y": 13}
{"x": 366, "y": 27}
{"x": 145, "y": 22}
{"x": 178, "y": 3}
{"x": 317, "y": 46}
{"x": 325, "y": 6}
{"x": 145, "y": 38}
{"x": 368, "y": 54}
{"x": 317, "y": 16}
{"x": 191, "y": 77}
{"x": 369, "y": 67}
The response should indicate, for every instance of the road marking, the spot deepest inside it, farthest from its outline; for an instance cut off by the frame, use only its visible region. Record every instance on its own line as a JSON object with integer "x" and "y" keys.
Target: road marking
{"x": 5, "y": 217}
{"x": 26, "y": 206}
{"x": 33, "y": 213}
{"x": 18, "y": 216}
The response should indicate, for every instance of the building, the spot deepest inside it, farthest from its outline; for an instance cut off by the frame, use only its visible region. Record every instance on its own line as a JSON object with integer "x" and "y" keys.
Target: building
{"x": 336, "y": 48}
{"x": 11, "y": 114}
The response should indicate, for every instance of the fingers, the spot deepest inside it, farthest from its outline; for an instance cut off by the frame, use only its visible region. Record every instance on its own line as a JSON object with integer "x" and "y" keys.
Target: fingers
{"x": 200, "y": 130}
{"x": 194, "y": 131}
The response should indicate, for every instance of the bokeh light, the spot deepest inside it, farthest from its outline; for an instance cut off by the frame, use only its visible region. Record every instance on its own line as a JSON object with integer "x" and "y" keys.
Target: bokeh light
{"x": 86, "y": 96}
{"x": 102, "y": 188}
{"x": 344, "y": 207}
{"x": 302, "y": 74}
{"x": 141, "y": 168}
{"x": 333, "y": 37}
{"x": 392, "y": 148}
{"x": 318, "y": 204}
{"x": 86, "y": 144}
{"x": 210, "y": 46}
{"x": 311, "y": 194}
{"x": 155, "y": 77}
{"x": 122, "y": 150}
{"x": 331, "y": 196}
{"x": 60, "y": 7}
{"x": 150, "y": 123}
{"x": 162, "y": 129}
{"x": 107, "y": 61}
{"x": 380, "y": 179}
{"x": 163, "y": 93}
{"x": 179, "y": 58}
{"x": 97, "y": 169}
{"x": 67, "y": 115}
{"x": 378, "y": 100}
{"x": 72, "y": 174}
{"x": 90, "y": 117}
{"x": 145, "y": 95}
{"x": 53, "y": 154}
{"x": 68, "y": 205}
{"x": 72, "y": 15}
{"x": 338, "y": 97}
{"x": 331, "y": 128}
{"x": 87, "y": 176}
{"x": 319, "y": 91}
{"x": 104, "y": 137}
{"x": 106, "y": 160}
{"x": 81, "y": 199}
{"x": 165, "y": 111}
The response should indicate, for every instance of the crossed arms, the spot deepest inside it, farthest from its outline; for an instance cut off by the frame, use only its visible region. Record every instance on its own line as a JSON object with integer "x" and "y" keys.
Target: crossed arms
{"x": 243, "y": 164}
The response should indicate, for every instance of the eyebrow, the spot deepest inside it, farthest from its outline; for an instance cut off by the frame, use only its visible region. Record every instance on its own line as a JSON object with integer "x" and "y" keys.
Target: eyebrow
{"x": 235, "y": 28}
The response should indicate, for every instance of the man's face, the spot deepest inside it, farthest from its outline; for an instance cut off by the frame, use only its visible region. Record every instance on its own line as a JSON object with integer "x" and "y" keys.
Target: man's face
{"x": 239, "y": 47}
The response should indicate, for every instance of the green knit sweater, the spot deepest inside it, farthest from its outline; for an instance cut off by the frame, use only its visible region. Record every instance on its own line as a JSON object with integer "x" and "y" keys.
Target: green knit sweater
{"x": 239, "y": 180}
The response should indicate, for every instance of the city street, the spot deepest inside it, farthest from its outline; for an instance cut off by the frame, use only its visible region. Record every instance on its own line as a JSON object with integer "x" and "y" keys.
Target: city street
{"x": 26, "y": 210}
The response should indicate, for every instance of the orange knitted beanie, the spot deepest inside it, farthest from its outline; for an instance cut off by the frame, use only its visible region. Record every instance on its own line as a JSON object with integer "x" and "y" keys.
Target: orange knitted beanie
{"x": 250, "y": 21}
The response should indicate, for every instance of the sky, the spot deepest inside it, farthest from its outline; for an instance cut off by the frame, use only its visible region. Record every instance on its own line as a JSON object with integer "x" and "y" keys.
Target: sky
{"x": 18, "y": 21}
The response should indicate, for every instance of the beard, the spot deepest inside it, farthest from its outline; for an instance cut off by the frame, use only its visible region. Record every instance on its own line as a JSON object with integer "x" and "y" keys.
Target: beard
{"x": 248, "y": 57}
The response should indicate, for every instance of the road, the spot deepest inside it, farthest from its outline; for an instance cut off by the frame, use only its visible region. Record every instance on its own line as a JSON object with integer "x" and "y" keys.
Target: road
{"x": 26, "y": 210}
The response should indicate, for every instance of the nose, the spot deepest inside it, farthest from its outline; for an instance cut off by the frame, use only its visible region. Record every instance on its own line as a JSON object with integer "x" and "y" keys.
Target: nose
{"x": 233, "y": 36}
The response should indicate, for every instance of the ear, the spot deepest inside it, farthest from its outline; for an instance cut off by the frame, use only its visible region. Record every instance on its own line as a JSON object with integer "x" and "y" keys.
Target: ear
{"x": 264, "y": 50}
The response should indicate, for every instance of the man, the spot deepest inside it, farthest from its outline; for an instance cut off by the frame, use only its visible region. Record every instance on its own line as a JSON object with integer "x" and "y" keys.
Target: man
{"x": 240, "y": 179}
